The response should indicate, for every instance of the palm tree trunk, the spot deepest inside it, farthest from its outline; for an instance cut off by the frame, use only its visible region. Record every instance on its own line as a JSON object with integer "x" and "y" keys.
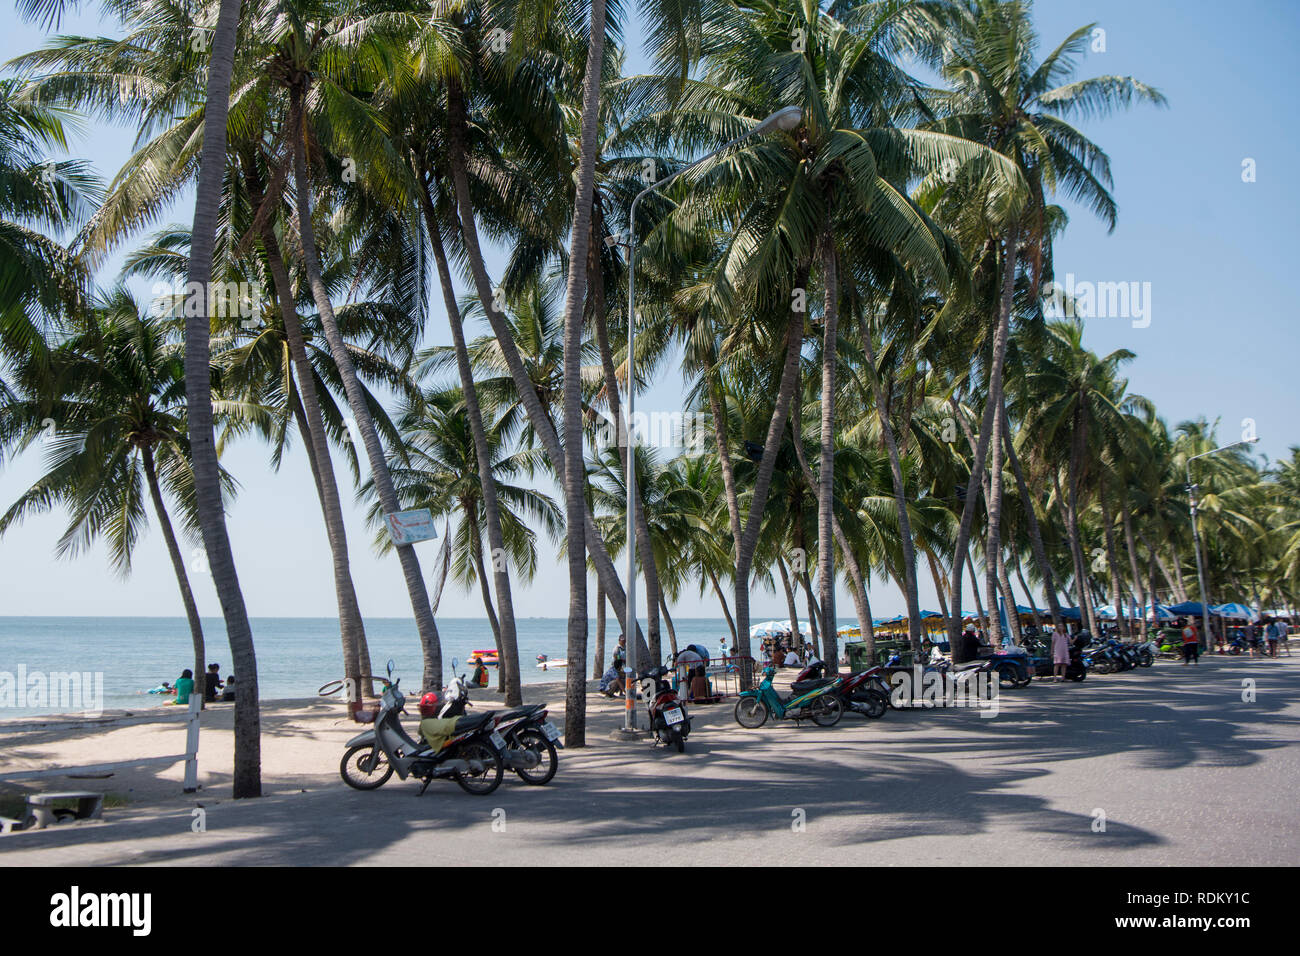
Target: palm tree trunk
{"x": 826, "y": 467}
{"x": 814, "y": 616}
{"x": 575, "y": 500}
{"x": 1035, "y": 530}
{"x": 1029, "y": 595}
{"x": 992, "y": 406}
{"x": 415, "y": 586}
{"x": 599, "y": 656}
{"x": 790, "y": 603}
{"x": 763, "y": 480}
{"x": 668, "y": 620}
{"x": 906, "y": 539}
{"x": 993, "y": 527}
{"x": 939, "y": 590}
{"x": 861, "y": 603}
{"x": 1130, "y": 546}
{"x": 974, "y": 587}
{"x": 726, "y": 610}
{"x": 1008, "y": 600}
{"x": 457, "y": 126}
{"x": 486, "y": 594}
{"x": 508, "y": 652}
{"x": 247, "y": 777}
{"x": 178, "y": 566}
{"x": 1078, "y": 446}
{"x": 356, "y": 654}
{"x": 1116, "y": 598}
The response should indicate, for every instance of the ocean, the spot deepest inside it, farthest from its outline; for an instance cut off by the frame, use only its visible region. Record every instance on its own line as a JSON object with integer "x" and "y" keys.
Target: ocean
{"x": 295, "y": 656}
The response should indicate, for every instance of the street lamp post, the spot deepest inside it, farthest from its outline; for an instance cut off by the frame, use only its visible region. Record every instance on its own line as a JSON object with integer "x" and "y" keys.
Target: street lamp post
{"x": 1196, "y": 534}
{"x": 785, "y": 119}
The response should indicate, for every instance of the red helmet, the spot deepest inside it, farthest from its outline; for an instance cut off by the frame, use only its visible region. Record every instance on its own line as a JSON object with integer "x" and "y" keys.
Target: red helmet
{"x": 429, "y": 705}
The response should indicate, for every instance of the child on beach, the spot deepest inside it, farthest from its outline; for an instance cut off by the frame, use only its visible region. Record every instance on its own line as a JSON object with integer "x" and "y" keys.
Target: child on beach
{"x": 184, "y": 687}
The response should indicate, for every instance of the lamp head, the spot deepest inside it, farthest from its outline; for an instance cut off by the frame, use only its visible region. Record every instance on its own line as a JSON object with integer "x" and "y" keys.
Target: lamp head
{"x": 784, "y": 119}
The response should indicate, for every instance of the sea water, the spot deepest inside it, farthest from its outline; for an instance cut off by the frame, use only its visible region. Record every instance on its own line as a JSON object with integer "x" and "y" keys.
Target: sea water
{"x": 295, "y": 656}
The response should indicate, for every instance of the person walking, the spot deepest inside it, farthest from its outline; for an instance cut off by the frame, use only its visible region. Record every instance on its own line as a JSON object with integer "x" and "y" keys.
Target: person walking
{"x": 1271, "y": 635}
{"x": 1060, "y": 653}
{"x": 1191, "y": 644}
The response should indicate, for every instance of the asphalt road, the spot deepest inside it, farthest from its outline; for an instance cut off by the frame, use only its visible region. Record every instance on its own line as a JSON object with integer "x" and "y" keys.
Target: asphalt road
{"x": 1167, "y": 766}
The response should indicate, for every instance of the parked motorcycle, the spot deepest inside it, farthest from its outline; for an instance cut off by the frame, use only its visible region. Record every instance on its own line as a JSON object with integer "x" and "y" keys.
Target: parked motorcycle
{"x": 471, "y": 756}
{"x": 668, "y": 718}
{"x": 863, "y": 692}
{"x": 821, "y": 705}
{"x": 531, "y": 740}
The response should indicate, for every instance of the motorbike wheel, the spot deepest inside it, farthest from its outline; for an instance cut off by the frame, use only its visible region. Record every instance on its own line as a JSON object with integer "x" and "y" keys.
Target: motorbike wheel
{"x": 1077, "y": 676}
{"x": 548, "y": 759}
{"x": 480, "y": 784}
{"x": 1146, "y": 659}
{"x": 751, "y": 712}
{"x": 876, "y": 705}
{"x": 1008, "y": 677}
{"x": 365, "y": 768}
{"x": 677, "y": 740}
{"x": 826, "y": 710}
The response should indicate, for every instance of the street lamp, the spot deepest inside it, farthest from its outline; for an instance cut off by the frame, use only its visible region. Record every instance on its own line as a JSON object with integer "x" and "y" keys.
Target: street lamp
{"x": 785, "y": 119}
{"x": 1196, "y": 534}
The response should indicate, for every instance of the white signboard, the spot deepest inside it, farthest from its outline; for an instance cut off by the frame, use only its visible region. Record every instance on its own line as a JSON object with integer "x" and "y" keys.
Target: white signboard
{"x": 408, "y": 527}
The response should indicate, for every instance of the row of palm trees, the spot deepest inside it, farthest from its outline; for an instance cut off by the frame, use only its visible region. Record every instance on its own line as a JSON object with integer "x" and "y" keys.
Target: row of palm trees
{"x": 853, "y": 303}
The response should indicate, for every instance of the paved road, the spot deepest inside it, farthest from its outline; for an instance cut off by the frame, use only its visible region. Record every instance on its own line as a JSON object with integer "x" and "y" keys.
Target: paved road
{"x": 1184, "y": 771}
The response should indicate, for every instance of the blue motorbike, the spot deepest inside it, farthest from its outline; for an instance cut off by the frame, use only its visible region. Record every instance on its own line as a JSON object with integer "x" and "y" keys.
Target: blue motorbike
{"x": 821, "y": 705}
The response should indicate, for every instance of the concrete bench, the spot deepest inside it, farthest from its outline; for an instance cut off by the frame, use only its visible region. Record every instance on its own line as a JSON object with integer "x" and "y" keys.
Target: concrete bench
{"x": 9, "y": 825}
{"x": 40, "y": 807}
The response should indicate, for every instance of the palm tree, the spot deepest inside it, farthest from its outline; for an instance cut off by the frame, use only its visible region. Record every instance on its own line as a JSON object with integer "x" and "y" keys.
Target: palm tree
{"x": 1001, "y": 97}
{"x": 115, "y": 388}
{"x": 438, "y": 470}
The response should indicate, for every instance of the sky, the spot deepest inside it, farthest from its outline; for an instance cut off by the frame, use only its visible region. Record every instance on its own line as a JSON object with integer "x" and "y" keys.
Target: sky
{"x": 1208, "y": 202}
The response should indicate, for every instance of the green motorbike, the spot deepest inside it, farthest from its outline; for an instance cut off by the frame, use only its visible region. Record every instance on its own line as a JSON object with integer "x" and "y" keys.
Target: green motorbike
{"x": 821, "y": 705}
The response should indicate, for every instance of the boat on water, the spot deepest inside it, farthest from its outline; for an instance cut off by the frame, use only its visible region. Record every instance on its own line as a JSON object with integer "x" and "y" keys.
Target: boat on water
{"x": 487, "y": 658}
{"x": 546, "y": 663}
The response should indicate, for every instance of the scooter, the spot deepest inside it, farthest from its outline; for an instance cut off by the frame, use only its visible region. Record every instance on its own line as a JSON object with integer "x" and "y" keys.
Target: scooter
{"x": 863, "y": 692}
{"x": 471, "y": 757}
{"x": 821, "y": 705}
{"x": 668, "y": 718}
{"x": 531, "y": 740}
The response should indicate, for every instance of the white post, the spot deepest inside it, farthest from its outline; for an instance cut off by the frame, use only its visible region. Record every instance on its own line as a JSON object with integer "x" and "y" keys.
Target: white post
{"x": 192, "y": 743}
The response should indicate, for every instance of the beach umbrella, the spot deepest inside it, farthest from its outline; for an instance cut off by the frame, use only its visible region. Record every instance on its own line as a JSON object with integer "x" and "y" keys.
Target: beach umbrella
{"x": 1107, "y": 612}
{"x": 1187, "y": 607}
{"x": 1235, "y": 612}
{"x": 1071, "y": 614}
{"x": 1158, "y": 612}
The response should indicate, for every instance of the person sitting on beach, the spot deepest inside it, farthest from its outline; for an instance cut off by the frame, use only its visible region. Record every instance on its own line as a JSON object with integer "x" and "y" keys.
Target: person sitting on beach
{"x": 184, "y": 687}
{"x": 228, "y": 694}
{"x": 212, "y": 683}
{"x": 611, "y": 682}
{"x": 791, "y": 659}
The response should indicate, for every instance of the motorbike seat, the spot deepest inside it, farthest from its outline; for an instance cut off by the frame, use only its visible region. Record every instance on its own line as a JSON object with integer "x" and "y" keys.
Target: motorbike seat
{"x": 466, "y": 724}
{"x": 524, "y": 711}
{"x": 803, "y": 686}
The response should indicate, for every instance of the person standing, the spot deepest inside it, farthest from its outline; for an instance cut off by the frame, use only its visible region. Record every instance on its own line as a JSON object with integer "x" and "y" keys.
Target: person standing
{"x": 1060, "y": 653}
{"x": 1191, "y": 644}
{"x": 1271, "y": 635}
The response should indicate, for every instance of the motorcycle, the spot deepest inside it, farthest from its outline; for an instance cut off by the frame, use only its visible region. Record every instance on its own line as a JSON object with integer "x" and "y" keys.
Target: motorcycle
{"x": 821, "y": 705}
{"x": 531, "y": 740}
{"x": 668, "y": 718}
{"x": 863, "y": 692}
{"x": 1044, "y": 665}
{"x": 471, "y": 756}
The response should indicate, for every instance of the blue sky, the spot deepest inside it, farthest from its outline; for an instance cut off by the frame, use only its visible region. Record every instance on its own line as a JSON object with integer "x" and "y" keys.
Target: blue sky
{"x": 1220, "y": 342}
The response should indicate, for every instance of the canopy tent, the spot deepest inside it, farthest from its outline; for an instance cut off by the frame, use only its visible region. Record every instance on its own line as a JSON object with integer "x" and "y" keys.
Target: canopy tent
{"x": 1071, "y": 614}
{"x": 1235, "y": 612}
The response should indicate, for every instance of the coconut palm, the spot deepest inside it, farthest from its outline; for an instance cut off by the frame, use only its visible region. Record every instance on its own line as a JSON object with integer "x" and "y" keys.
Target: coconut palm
{"x": 110, "y": 409}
